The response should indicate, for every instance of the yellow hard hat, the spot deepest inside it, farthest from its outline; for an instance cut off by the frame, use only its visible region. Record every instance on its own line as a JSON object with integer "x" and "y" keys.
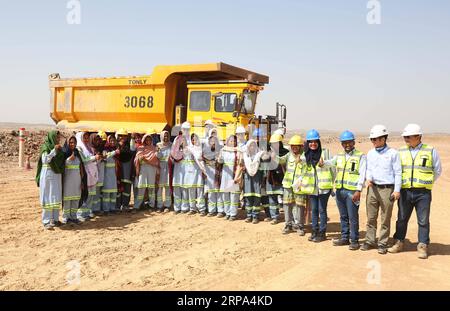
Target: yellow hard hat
{"x": 122, "y": 131}
{"x": 275, "y": 138}
{"x": 296, "y": 140}
{"x": 151, "y": 132}
{"x": 102, "y": 135}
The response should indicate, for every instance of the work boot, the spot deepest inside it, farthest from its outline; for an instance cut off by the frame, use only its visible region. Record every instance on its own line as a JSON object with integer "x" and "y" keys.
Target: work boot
{"x": 52, "y": 223}
{"x": 255, "y": 220}
{"x": 48, "y": 227}
{"x": 287, "y": 229}
{"x": 353, "y": 246}
{"x": 232, "y": 218}
{"x": 203, "y": 214}
{"x": 274, "y": 221}
{"x": 382, "y": 250}
{"x": 192, "y": 212}
{"x": 211, "y": 215}
{"x": 220, "y": 215}
{"x": 248, "y": 219}
{"x": 341, "y": 242}
{"x": 267, "y": 219}
{"x": 312, "y": 236}
{"x": 396, "y": 248}
{"x": 422, "y": 250}
{"x": 301, "y": 232}
{"x": 366, "y": 246}
{"x": 320, "y": 238}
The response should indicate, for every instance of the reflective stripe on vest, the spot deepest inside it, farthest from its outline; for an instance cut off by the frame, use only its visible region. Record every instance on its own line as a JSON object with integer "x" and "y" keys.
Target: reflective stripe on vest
{"x": 324, "y": 179}
{"x": 292, "y": 169}
{"x": 347, "y": 176}
{"x": 418, "y": 172}
{"x": 72, "y": 167}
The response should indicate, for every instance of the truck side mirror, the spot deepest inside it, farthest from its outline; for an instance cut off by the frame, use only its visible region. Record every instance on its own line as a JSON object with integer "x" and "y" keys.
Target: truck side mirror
{"x": 237, "y": 104}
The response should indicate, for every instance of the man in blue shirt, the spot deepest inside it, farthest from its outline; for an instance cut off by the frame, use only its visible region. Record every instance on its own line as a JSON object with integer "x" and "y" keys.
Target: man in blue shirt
{"x": 421, "y": 168}
{"x": 384, "y": 180}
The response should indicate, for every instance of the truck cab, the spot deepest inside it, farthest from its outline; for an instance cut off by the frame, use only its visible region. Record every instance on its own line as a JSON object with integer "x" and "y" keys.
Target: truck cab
{"x": 226, "y": 103}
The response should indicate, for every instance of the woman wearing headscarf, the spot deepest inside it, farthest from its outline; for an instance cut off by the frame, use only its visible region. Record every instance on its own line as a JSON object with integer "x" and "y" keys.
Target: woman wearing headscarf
{"x": 89, "y": 159}
{"x": 97, "y": 147}
{"x": 112, "y": 178}
{"x": 147, "y": 166}
{"x": 177, "y": 152}
{"x": 194, "y": 169}
{"x": 211, "y": 150}
{"x": 316, "y": 181}
{"x": 252, "y": 181}
{"x": 49, "y": 179}
{"x": 273, "y": 176}
{"x": 164, "y": 148}
{"x": 135, "y": 143}
{"x": 74, "y": 181}
{"x": 231, "y": 159}
{"x": 126, "y": 158}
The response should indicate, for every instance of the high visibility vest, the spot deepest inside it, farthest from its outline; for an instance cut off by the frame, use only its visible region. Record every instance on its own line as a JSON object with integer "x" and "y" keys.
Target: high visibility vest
{"x": 418, "y": 172}
{"x": 324, "y": 179}
{"x": 347, "y": 171}
{"x": 293, "y": 170}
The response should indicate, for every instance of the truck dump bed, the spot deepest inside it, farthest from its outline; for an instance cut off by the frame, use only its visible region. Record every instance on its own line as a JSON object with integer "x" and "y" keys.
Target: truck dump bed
{"x": 135, "y": 103}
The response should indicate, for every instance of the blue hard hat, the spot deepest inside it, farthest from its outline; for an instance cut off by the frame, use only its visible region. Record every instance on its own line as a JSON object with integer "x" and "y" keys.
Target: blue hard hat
{"x": 257, "y": 133}
{"x": 346, "y": 136}
{"x": 312, "y": 135}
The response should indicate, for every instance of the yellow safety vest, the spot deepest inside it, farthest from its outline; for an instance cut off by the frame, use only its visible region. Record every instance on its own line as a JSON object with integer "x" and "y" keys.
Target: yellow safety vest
{"x": 324, "y": 176}
{"x": 418, "y": 172}
{"x": 347, "y": 171}
{"x": 293, "y": 170}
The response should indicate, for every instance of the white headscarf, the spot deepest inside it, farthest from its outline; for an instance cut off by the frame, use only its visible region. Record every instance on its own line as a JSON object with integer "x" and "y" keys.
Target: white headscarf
{"x": 87, "y": 150}
{"x": 196, "y": 151}
{"x": 207, "y": 152}
{"x": 252, "y": 160}
{"x": 162, "y": 144}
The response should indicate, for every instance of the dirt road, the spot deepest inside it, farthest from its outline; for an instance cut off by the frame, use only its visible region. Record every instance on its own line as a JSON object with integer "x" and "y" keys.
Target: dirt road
{"x": 178, "y": 252}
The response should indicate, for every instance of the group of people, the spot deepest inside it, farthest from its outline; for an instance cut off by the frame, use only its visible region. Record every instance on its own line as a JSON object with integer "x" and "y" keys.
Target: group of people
{"x": 93, "y": 174}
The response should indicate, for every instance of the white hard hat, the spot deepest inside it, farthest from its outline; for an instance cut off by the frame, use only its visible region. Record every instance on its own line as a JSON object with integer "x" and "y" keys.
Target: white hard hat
{"x": 240, "y": 130}
{"x": 186, "y": 125}
{"x": 378, "y": 131}
{"x": 279, "y": 131}
{"x": 411, "y": 130}
{"x": 209, "y": 122}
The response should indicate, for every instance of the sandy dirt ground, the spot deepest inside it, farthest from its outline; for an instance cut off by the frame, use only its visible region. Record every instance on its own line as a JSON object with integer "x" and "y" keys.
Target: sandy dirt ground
{"x": 149, "y": 251}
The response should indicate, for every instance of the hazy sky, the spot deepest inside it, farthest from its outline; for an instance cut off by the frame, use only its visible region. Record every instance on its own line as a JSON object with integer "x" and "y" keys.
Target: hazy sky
{"x": 326, "y": 63}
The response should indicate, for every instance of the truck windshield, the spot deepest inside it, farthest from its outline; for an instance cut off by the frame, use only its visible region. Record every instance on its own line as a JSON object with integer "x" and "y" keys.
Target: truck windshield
{"x": 226, "y": 102}
{"x": 248, "y": 102}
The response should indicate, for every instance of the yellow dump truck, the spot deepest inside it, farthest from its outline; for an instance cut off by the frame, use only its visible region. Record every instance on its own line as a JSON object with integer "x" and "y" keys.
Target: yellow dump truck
{"x": 163, "y": 100}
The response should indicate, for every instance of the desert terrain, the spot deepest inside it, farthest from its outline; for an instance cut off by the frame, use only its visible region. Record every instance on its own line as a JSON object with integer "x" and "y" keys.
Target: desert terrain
{"x": 150, "y": 251}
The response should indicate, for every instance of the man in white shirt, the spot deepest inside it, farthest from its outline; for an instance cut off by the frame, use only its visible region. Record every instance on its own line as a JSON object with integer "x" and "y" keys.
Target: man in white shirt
{"x": 384, "y": 179}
